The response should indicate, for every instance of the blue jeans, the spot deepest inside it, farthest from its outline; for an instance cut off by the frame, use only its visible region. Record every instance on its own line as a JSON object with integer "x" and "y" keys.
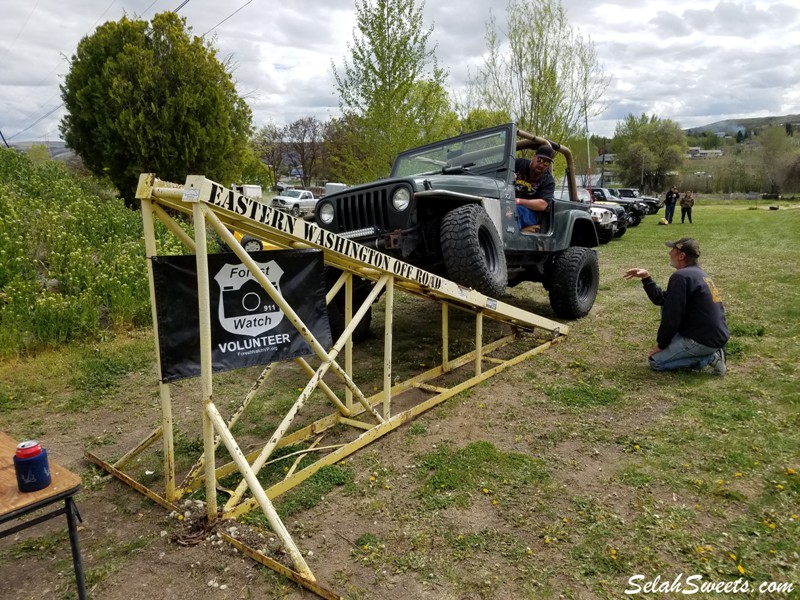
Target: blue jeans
{"x": 682, "y": 353}
{"x": 526, "y": 216}
{"x": 669, "y": 211}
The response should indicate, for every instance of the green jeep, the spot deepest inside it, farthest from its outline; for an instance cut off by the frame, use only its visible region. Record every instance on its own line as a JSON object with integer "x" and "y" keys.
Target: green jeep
{"x": 449, "y": 208}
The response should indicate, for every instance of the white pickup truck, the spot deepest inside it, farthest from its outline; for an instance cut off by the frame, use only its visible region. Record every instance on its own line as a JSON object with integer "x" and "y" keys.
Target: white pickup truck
{"x": 296, "y": 202}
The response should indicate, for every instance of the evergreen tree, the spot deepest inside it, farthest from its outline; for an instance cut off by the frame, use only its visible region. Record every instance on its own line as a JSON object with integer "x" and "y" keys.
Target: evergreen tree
{"x": 148, "y": 97}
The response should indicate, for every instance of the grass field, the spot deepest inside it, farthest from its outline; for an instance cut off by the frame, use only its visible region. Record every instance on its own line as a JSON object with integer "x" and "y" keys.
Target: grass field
{"x": 565, "y": 477}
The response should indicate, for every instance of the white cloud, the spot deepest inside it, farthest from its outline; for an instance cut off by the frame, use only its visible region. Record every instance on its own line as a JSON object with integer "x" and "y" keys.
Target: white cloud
{"x": 691, "y": 61}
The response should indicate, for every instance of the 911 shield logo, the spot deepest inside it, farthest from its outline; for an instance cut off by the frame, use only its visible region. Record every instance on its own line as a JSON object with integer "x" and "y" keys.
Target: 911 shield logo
{"x": 245, "y": 308}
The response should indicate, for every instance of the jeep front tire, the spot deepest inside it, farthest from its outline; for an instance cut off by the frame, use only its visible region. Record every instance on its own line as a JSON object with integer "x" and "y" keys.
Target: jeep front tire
{"x": 472, "y": 250}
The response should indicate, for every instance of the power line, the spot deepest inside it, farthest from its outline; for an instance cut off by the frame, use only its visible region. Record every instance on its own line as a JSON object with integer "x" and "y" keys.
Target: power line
{"x": 225, "y": 19}
{"x": 184, "y": 3}
{"x": 62, "y": 104}
{"x": 37, "y": 120}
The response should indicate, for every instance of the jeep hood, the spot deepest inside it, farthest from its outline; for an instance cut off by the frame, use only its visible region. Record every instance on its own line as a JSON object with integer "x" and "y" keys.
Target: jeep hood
{"x": 475, "y": 185}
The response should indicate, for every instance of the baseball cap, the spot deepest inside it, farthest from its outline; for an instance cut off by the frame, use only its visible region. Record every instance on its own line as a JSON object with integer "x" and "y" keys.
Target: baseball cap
{"x": 545, "y": 152}
{"x": 688, "y": 246}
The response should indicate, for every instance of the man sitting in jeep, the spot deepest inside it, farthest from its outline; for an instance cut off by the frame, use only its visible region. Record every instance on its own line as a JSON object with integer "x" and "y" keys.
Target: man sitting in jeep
{"x": 534, "y": 189}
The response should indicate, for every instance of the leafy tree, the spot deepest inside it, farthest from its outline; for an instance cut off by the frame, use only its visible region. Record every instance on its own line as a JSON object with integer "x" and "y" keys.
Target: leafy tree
{"x": 303, "y": 145}
{"x": 647, "y": 149}
{"x": 391, "y": 90}
{"x": 545, "y": 74}
{"x": 149, "y": 97}
{"x": 776, "y": 156}
{"x": 268, "y": 145}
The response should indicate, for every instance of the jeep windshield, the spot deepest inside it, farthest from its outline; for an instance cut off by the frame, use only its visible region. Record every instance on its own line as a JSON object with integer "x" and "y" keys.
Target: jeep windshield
{"x": 457, "y": 155}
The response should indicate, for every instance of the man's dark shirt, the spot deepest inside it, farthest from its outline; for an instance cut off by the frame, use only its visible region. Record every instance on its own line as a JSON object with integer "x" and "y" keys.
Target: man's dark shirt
{"x": 545, "y": 188}
{"x": 691, "y": 306}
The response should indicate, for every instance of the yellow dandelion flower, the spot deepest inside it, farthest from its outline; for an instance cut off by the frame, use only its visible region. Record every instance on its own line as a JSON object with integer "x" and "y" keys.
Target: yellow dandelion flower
{"x": 528, "y": 551}
{"x": 372, "y": 477}
{"x": 790, "y": 471}
{"x": 732, "y": 555}
{"x": 737, "y": 474}
{"x": 494, "y": 502}
{"x": 779, "y": 486}
{"x": 565, "y": 520}
{"x": 485, "y": 490}
{"x": 741, "y": 570}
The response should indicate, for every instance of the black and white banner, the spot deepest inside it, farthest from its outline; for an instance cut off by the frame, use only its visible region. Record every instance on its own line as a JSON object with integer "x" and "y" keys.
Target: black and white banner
{"x": 247, "y": 326}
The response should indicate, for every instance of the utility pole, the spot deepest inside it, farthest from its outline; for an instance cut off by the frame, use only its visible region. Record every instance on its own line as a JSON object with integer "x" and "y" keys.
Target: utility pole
{"x": 588, "y": 150}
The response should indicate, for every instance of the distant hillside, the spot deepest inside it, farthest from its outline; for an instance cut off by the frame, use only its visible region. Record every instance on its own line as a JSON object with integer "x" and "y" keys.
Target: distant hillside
{"x": 733, "y": 126}
{"x": 57, "y": 149}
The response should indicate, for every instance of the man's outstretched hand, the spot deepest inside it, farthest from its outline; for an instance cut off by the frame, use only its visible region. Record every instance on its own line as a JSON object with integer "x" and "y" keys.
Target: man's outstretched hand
{"x": 636, "y": 273}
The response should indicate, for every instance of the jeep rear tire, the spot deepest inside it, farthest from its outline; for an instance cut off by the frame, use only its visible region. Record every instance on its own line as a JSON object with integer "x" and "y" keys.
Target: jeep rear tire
{"x": 472, "y": 250}
{"x": 604, "y": 235}
{"x": 620, "y": 231}
{"x": 575, "y": 278}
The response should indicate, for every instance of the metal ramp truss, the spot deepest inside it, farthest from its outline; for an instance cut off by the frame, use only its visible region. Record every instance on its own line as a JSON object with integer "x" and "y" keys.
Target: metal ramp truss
{"x": 369, "y": 416}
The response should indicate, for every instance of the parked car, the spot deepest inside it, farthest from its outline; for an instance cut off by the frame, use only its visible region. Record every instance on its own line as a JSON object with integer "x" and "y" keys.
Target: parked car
{"x": 449, "y": 207}
{"x": 297, "y": 202}
{"x": 636, "y": 210}
{"x": 605, "y": 220}
{"x": 653, "y": 203}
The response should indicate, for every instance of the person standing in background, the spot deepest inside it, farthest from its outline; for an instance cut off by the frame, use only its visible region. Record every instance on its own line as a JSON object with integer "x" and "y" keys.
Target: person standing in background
{"x": 687, "y": 202}
{"x": 669, "y": 203}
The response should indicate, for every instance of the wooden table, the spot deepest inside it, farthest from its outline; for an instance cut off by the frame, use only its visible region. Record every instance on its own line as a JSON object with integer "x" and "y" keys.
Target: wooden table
{"x": 15, "y": 504}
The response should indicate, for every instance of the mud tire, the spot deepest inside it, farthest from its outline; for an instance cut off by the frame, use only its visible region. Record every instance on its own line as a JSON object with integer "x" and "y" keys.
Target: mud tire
{"x": 575, "y": 279}
{"x": 472, "y": 250}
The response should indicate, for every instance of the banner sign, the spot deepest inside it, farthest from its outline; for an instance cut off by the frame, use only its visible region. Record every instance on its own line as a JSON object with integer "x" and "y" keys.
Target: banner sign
{"x": 247, "y": 326}
{"x": 311, "y": 232}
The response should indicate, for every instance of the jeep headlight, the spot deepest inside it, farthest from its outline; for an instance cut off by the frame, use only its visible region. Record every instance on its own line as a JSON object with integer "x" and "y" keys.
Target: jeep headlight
{"x": 326, "y": 213}
{"x": 401, "y": 198}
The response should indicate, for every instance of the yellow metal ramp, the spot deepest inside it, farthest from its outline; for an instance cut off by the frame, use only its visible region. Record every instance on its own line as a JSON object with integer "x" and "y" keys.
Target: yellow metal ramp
{"x": 368, "y": 416}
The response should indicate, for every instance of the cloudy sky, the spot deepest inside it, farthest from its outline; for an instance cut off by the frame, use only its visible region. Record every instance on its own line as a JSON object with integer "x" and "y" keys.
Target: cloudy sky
{"x": 695, "y": 62}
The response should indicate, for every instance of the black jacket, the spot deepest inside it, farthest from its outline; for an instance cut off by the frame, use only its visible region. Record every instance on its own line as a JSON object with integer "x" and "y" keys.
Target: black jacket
{"x": 691, "y": 306}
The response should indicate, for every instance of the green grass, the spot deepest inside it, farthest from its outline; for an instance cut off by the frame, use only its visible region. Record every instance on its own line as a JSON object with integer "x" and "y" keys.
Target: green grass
{"x": 479, "y": 470}
{"x": 561, "y": 477}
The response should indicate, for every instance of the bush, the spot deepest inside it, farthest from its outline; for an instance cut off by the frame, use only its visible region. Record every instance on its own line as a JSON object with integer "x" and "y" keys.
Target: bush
{"x": 71, "y": 257}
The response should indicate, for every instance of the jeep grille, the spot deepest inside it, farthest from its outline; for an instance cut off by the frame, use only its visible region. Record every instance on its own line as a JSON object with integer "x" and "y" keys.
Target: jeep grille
{"x": 363, "y": 209}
